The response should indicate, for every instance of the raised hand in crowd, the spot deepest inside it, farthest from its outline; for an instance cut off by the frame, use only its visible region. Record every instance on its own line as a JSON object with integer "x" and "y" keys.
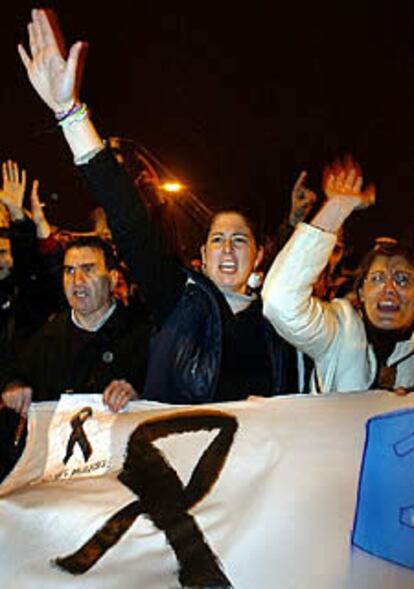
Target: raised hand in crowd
{"x": 344, "y": 179}
{"x": 343, "y": 187}
{"x": 56, "y": 77}
{"x": 13, "y": 190}
{"x": 52, "y": 74}
{"x": 43, "y": 229}
{"x": 302, "y": 200}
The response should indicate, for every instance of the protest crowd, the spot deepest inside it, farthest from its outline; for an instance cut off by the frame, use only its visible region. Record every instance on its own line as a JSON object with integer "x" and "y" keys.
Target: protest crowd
{"x": 118, "y": 312}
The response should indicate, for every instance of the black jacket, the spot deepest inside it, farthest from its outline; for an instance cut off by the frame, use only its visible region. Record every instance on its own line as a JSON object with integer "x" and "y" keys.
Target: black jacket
{"x": 28, "y": 295}
{"x": 61, "y": 358}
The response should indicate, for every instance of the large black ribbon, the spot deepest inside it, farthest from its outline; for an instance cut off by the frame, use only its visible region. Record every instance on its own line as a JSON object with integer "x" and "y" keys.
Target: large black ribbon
{"x": 162, "y": 497}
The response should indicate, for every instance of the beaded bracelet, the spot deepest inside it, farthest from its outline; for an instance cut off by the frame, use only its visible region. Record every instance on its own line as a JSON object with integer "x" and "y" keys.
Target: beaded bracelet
{"x": 63, "y": 114}
{"x": 76, "y": 114}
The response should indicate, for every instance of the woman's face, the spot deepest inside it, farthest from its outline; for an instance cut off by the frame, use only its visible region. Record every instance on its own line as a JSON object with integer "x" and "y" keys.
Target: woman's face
{"x": 230, "y": 253}
{"x": 387, "y": 293}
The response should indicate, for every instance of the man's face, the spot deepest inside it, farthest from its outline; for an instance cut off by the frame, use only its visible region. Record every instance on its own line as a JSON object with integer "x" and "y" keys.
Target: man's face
{"x": 388, "y": 293}
{"x": 6, "y": 258}
{"x": 87, "y": 282}
{"x": 230, "y": 253}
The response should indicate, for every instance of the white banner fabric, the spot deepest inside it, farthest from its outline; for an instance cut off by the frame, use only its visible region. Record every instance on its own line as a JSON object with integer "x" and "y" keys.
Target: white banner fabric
{"x": 276, "y": 512}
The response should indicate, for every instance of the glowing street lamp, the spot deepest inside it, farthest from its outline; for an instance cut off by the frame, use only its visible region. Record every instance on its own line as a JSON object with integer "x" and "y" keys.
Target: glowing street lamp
{"x": 172, "y": 186}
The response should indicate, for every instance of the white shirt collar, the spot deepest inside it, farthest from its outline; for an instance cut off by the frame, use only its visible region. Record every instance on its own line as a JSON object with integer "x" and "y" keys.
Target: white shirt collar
{"x": 99, "y": 323}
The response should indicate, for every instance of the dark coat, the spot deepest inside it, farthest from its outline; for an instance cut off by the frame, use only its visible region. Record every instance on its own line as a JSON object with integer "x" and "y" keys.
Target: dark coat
{"x": 189, "y": 353}
{"x": 29, "y": 295}
{"x": 51, "y": 365}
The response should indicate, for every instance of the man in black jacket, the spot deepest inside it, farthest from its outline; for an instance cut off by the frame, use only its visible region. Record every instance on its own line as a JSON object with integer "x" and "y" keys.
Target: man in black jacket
{"x": 96, "y": 346}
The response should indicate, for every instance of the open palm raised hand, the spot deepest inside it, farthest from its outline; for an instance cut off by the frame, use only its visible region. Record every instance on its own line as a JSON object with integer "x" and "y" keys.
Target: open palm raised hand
{"x": 54, "y": 76}
{"x": 14, "y": 186}
{"x": 344, "y": 179}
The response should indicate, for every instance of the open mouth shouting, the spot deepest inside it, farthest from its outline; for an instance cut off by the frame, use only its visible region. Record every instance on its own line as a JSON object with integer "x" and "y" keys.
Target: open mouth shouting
{"x": 388, "y": 293}
{"x": 388, "y": 307}
{"x": 228, "y": 267}
{"x": 80, "y": 293}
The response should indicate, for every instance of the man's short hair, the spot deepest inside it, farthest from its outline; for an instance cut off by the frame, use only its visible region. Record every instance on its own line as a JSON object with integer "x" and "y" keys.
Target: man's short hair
{"x": 95, "y": 242}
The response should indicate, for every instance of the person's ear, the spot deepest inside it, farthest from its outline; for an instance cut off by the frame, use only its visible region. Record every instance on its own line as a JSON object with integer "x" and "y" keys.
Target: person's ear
{"x": 113, "y": 278}
{"x": 259, "y": 257}
{"x": 203, "y": 256}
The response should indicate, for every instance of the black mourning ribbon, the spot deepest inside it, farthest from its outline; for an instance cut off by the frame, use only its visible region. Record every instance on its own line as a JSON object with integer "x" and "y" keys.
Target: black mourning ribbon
{"x": 163, "y": 498}
{"x": 78, "y": 435}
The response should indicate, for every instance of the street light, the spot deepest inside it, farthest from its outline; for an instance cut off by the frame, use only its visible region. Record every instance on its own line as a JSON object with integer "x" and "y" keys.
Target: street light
{"x": 181, "y": 216}
{"x": 172, "y": 186}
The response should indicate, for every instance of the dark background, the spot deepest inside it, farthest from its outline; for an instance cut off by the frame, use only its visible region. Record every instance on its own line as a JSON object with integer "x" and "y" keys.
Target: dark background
{"x": 235, "y": 101}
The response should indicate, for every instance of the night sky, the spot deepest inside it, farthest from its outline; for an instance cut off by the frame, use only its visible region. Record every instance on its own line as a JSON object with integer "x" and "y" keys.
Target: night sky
{"x": 235, "y": 101}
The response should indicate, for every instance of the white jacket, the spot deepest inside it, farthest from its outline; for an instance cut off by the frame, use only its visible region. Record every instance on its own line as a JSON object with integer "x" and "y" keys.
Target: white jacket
{"x": 332, "y": 333}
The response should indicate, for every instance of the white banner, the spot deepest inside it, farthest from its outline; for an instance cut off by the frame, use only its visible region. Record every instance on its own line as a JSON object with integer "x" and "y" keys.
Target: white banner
{"x": 251, "y": 495}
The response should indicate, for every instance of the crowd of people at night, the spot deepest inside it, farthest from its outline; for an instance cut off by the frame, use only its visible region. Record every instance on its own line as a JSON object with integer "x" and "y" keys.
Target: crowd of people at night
{"x": 116, "y": 311}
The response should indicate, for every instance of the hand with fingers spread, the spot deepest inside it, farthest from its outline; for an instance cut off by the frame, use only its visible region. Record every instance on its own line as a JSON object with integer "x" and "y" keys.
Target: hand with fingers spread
{"x": 53, "y": 74}
{"x": 17, "y": 397}
{"x": 118, "y": 394}
{"x": 301, "y": 200}
{"x": 14, "y": 186}
{"x": 39, "y": 219}
{"x": 344, "y": 179}
{"x": 56, "y": 76}
{"x": 342, "y": 184}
